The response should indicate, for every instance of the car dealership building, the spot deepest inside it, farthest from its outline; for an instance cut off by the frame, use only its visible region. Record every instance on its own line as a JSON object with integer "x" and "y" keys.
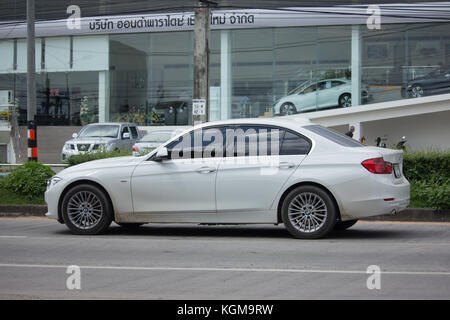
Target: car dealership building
{"x": 393, "y": 59}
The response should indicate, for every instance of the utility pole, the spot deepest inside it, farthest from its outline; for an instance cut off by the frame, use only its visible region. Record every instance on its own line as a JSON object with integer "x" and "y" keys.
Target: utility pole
{"x": 200, "y": 103}
{"x": 31, "y": 83}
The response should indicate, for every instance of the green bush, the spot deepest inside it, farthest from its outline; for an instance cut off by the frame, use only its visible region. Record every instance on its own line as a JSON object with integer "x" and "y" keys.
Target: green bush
{"x": 429, "y": 175}
{"x": 430, "y": 165}
{"x": 80, "y": 158}
{"x": 29, "y": 179}
{"x": 430, "y": 194}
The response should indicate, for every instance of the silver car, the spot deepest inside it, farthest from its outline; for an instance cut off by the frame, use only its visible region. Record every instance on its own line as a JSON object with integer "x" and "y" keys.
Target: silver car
{"x": 153, "y": 139}
{"x": 102, "y": 137}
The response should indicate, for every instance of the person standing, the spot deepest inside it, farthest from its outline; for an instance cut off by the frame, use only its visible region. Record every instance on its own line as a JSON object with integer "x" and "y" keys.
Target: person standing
{"x": 350, "y": 132}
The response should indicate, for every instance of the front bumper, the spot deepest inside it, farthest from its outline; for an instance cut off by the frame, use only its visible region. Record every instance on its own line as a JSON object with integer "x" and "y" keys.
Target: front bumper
{"x": 51, "y": 197}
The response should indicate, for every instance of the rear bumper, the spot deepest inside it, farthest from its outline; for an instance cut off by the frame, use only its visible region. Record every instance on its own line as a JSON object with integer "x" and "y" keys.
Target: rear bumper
{"x": 380, "y": 198}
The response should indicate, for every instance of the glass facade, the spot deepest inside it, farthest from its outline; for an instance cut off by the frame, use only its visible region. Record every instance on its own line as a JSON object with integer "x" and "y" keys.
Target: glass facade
{"x": 147, "y": 78}
{"x": 151, "y": 78}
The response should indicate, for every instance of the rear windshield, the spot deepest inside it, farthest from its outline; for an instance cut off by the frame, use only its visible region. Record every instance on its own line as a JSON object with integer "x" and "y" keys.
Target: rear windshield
{"x": 334, "y": 136}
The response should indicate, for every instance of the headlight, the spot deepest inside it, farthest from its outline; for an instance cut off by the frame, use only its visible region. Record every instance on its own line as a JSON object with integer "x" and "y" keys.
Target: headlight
{"x": 100, "y": 146}
{"x": 51, "y": 182}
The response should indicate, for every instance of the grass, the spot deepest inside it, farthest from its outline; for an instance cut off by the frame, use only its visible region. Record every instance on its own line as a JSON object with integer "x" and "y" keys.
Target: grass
{"x": 416, "y": 201}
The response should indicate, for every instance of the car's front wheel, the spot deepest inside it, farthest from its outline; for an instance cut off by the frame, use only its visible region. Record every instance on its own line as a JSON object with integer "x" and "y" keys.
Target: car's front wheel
{"x": 417, "y": 91}
{"x": 287, "y": 109}
{"x": 86, "y": 210}
{"x": 308, "y": 212}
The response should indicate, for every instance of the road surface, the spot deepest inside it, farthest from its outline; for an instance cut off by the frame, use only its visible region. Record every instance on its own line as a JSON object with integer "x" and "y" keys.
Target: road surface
{"x": 224, "y": 262}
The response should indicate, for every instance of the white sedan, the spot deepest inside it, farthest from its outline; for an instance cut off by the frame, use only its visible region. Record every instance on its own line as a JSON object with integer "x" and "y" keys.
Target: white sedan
{"x": 244, "y": 171}
{"x": 312, "y": 96}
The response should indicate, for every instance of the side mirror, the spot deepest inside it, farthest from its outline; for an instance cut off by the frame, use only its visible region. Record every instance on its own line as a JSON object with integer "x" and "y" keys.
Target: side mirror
{"x": 161, "y": 154}
{"x": 74, "y": 135}
{"x": 126, "y": 135}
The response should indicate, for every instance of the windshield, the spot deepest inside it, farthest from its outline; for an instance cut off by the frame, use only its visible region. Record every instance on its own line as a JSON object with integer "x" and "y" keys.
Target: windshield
{"x": 157, "y": 137}
{"x": 300, "y": 87}
{"x": 97, "y": 131}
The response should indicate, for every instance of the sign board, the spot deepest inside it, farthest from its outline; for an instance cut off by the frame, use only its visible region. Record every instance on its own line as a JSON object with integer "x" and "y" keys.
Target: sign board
{"x": 198, "y": 107}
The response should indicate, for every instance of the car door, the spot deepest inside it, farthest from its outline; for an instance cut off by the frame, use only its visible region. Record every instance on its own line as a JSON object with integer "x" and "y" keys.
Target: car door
{"x": 123, "y": 142}
{"x": 134, "y": 137}
{"x": 251, "y": 180}
{"x": 186, "y": 182}
{"x": 306, "y": 99}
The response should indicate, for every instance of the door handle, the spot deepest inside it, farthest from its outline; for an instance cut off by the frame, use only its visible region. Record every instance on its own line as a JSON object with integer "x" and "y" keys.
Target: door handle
{"x": 286, "y": 165}
{"x": 206, "y": 169}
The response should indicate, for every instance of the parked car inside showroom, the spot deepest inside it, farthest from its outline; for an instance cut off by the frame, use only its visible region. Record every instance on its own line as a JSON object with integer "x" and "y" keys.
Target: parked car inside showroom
{"x": 105, "y": 136}
{"x": 317, "y": 95}
{"x": 246, "y": 171}
{"x": 436, "y": 82}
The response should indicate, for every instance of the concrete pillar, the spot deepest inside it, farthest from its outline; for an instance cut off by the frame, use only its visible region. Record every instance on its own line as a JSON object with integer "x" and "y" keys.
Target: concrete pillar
{"x": 356, "y": 65}
{"x": 225, "y": 75}
{"x": 103, "y": 96}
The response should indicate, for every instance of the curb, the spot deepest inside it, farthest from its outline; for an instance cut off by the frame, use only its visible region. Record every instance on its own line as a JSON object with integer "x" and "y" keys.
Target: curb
{"x": 409, "y": 214}
{"x": 414, "y": 215}
{"x": 23, "y": 210}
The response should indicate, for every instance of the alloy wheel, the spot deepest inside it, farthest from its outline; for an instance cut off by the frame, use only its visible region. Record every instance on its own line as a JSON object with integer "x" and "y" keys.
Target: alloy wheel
{"x": 346, "y": 101}
{"x": 84, "y": 210}
{"x": 417, "y": 92}
{"x": 307, "y": 212}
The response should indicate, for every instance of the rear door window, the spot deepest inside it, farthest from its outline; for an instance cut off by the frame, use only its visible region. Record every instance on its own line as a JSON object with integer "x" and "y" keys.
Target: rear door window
{"x": 294, "y": 144}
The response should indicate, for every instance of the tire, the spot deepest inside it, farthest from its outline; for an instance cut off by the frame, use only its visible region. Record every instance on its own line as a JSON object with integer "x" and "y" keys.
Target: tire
{"x": 86, "y": 210}
{"x": 417, "y": 91}
{"x": 308, "y": 212}
{"x": 288, "y": 109}
{"x": 345, "y": 100}
{"x": 129, "y": 226}
{"x": 344, "y": 225}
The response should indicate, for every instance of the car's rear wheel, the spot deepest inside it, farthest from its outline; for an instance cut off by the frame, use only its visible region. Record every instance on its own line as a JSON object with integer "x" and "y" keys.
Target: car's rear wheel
{"x": 308, "y": 212}
{"x": 344, "y": 225}
{"x": 287, "y": 108}
{"x": 86, "y": 210}
{"x": 345, "y": 100}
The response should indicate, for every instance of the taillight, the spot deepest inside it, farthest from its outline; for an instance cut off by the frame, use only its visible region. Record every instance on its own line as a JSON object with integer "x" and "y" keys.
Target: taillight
{"x": 135, "y": 148}
{"x": 377, "y": 166}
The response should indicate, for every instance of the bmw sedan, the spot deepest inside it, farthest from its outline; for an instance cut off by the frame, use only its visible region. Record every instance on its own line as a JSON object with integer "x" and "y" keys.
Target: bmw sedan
{"x": 247, "y": 171}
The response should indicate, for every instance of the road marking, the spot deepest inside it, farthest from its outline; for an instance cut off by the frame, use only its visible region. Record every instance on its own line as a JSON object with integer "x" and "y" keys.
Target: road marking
{"x": 405, "y": 222}
{"x": 129, "y": 268}
{"x": 13, "y": 236}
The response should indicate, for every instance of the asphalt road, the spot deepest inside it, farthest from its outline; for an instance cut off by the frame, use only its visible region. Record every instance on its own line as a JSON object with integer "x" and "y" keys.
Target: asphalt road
{"x": 224, "y": 262}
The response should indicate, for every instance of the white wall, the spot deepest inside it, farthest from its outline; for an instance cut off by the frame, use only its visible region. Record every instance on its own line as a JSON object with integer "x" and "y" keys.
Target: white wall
{"x": 421, "y": 131}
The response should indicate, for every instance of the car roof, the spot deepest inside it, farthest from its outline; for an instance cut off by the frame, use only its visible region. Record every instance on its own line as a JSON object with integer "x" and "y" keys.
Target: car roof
{"x": 112, "y": 123}
{"x": 278, "y": 121}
